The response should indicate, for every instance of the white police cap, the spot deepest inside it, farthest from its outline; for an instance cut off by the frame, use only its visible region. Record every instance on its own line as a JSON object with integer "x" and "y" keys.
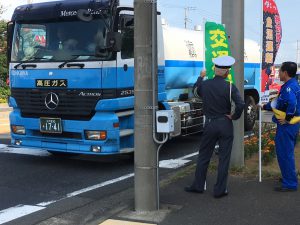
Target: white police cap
{"x": 224, "y": 61}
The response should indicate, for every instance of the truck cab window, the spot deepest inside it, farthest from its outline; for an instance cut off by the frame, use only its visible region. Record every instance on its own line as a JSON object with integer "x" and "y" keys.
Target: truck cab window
{"x": 127, "y": 31}
{"x": 45, "y": 41}
{"x": 29, "y": 39}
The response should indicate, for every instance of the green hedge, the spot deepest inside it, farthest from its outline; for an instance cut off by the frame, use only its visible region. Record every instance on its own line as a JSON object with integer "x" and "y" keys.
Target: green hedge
{"x": 4, "y": 93}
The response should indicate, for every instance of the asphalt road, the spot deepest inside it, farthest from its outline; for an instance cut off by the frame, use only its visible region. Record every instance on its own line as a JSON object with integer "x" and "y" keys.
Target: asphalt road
{"x": 41, "y": 178}
{"x": 38, "y": 179}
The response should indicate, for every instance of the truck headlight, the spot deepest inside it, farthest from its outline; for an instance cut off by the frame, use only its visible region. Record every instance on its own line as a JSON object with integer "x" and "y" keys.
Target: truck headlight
{"x": 95, "y": 135}
{"x": 18, "y": 129}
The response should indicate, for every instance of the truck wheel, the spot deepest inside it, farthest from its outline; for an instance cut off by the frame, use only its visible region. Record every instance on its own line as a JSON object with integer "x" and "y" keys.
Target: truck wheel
{"x": 250, "y": 113}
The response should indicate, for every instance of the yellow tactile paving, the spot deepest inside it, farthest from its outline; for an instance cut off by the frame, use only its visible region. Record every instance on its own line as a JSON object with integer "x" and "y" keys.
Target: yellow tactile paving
{"x": 121, "y": 222}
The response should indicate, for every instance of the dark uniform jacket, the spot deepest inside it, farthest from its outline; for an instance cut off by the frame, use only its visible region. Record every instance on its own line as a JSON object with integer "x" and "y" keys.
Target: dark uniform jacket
{"x": 215, "y": 94}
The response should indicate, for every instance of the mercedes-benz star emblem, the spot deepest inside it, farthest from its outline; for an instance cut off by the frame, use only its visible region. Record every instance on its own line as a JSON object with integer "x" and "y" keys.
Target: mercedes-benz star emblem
{"x": 51, "y": 101}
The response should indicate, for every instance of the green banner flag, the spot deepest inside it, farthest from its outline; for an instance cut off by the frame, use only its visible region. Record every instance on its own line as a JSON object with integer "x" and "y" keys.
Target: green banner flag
{"x": 216, "y": 44}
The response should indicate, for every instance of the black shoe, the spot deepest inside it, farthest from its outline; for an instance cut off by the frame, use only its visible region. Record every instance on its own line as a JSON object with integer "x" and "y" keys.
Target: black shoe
{"x": 221, "y": 195}
{"x": 193, "y": 190}
{"x": 283, "y": 189}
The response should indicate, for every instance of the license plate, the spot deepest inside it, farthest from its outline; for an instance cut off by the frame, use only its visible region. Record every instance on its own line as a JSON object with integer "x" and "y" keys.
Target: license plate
{"x": 50, "y": 125}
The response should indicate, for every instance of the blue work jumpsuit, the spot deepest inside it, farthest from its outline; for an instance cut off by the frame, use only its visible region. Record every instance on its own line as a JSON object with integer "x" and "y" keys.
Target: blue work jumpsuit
{"x": 286, "y": 134}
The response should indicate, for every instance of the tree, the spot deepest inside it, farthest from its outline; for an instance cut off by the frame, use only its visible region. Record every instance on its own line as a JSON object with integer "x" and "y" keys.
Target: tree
{"x": 1, "y": 9}
{"x": 3, "y": 49}
{"x": 4, "y": 90}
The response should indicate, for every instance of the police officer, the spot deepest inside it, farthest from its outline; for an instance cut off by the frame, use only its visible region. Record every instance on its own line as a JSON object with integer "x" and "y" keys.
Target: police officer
{"x": 215, "y": 94}
{"x": 288, "y": 101}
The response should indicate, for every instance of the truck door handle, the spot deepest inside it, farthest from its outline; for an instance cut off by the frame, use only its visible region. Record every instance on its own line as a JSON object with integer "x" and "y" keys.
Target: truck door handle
{"x": 125, "y": 67}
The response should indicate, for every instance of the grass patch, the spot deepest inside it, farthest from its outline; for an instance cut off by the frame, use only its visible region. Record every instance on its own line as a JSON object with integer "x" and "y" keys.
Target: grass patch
{"x": 178, "y": 175}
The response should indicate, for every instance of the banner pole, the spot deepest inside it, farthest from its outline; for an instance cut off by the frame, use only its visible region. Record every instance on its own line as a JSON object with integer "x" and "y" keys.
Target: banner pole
{"x": 260, "y": 87}
{"x": 204, "y": 67}
{"x": 204, "y": 48}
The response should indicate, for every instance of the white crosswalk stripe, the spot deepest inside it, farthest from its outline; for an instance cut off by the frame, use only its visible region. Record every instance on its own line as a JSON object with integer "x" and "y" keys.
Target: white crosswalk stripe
{"x": 24, "y": 151}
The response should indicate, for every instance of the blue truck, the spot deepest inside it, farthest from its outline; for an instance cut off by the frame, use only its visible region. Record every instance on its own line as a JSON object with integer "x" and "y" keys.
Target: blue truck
{"x": 72, "y": 87}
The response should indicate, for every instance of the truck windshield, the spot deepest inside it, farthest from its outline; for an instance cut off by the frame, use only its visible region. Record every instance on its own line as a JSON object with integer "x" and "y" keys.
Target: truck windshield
{"x": 60, "y": 41}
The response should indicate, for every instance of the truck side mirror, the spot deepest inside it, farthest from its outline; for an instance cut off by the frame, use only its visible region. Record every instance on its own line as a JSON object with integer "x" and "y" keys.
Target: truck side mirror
{"x": 10, "y": 31}
{"x": 114, "y": 41}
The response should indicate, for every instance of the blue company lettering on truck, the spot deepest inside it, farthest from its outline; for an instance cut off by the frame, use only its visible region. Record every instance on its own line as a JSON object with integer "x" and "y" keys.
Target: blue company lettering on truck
{"x": 72, "y": 93}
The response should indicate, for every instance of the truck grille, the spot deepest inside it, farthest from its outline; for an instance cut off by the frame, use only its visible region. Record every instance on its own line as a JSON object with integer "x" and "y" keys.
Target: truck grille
{"x": 73, "y": 105}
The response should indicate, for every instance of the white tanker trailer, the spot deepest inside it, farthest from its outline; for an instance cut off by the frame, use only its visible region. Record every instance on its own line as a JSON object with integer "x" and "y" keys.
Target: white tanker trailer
{"x": 184, "y": 59}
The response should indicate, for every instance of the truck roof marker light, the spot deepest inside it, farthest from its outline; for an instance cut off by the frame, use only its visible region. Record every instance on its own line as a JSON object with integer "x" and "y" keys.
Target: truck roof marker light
{"x": 116, "y": 125}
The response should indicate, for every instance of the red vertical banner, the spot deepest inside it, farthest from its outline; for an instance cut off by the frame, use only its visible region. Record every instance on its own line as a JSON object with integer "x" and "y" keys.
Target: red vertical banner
{"x": 272, "y": 33}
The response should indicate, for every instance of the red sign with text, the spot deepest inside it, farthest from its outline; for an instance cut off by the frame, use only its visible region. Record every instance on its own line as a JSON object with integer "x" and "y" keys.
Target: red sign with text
{"x": 272, "y": 33}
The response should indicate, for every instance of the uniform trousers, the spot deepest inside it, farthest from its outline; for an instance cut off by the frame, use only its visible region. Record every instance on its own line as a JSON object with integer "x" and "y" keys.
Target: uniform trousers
{"x": 285, "y": 141}
{"x": 216, "y": 130}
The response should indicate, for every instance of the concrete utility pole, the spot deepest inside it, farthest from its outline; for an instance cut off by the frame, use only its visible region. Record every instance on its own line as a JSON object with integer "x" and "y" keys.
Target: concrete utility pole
{"x": 145, "y": 52}
{"x": 233, "y": 18}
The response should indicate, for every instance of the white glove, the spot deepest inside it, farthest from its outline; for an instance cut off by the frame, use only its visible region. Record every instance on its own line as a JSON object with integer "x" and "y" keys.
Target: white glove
{"x": 260, "y": 105}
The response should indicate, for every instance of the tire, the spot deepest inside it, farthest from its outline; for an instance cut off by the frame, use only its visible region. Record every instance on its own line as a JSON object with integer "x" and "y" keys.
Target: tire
{"x": 250, "y": 113}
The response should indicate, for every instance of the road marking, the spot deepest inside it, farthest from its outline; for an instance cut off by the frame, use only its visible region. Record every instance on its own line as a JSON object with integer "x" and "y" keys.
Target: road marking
{"x": 121, "y": 222}
{"x": 81, "y": 191}
{"x": 100, "y": 185}
{"x": 173, "y": 163}
{"x": 46, "y": 203}
{"x": 23, "y": 151}
{"x": 18, "y": 211}
{"x": 188, "y": 156}
{"x": 6, "y": 215}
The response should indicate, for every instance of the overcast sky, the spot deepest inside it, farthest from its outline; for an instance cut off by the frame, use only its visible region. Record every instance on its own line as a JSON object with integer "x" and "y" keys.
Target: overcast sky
{"x": 173, "y": 12}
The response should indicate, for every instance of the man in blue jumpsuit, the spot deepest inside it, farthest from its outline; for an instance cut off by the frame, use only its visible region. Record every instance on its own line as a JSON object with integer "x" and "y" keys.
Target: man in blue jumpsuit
{"x": 286, "y": 135}
{"x": 216, "y": 94}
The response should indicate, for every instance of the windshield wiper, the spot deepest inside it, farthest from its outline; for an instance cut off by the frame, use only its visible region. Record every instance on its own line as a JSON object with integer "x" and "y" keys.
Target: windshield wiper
{"x": 81, "y": 65}
{"x": 28, "y": 65}
{"x": 72, "y": 60}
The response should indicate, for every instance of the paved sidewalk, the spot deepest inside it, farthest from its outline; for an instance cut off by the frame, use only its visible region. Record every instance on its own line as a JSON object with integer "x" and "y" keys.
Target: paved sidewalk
{"x": 248, "y": 202}
{"x": 5, "y": 108}
{"x": 3, "y": 105}
{"x": 4, "y": 121}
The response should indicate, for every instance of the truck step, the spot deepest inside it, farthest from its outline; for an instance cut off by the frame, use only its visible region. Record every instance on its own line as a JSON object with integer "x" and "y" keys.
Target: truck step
{"x": 125, "y": 113}
{"x": 126, "y": 150}
{"x": 126, "y": 132}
